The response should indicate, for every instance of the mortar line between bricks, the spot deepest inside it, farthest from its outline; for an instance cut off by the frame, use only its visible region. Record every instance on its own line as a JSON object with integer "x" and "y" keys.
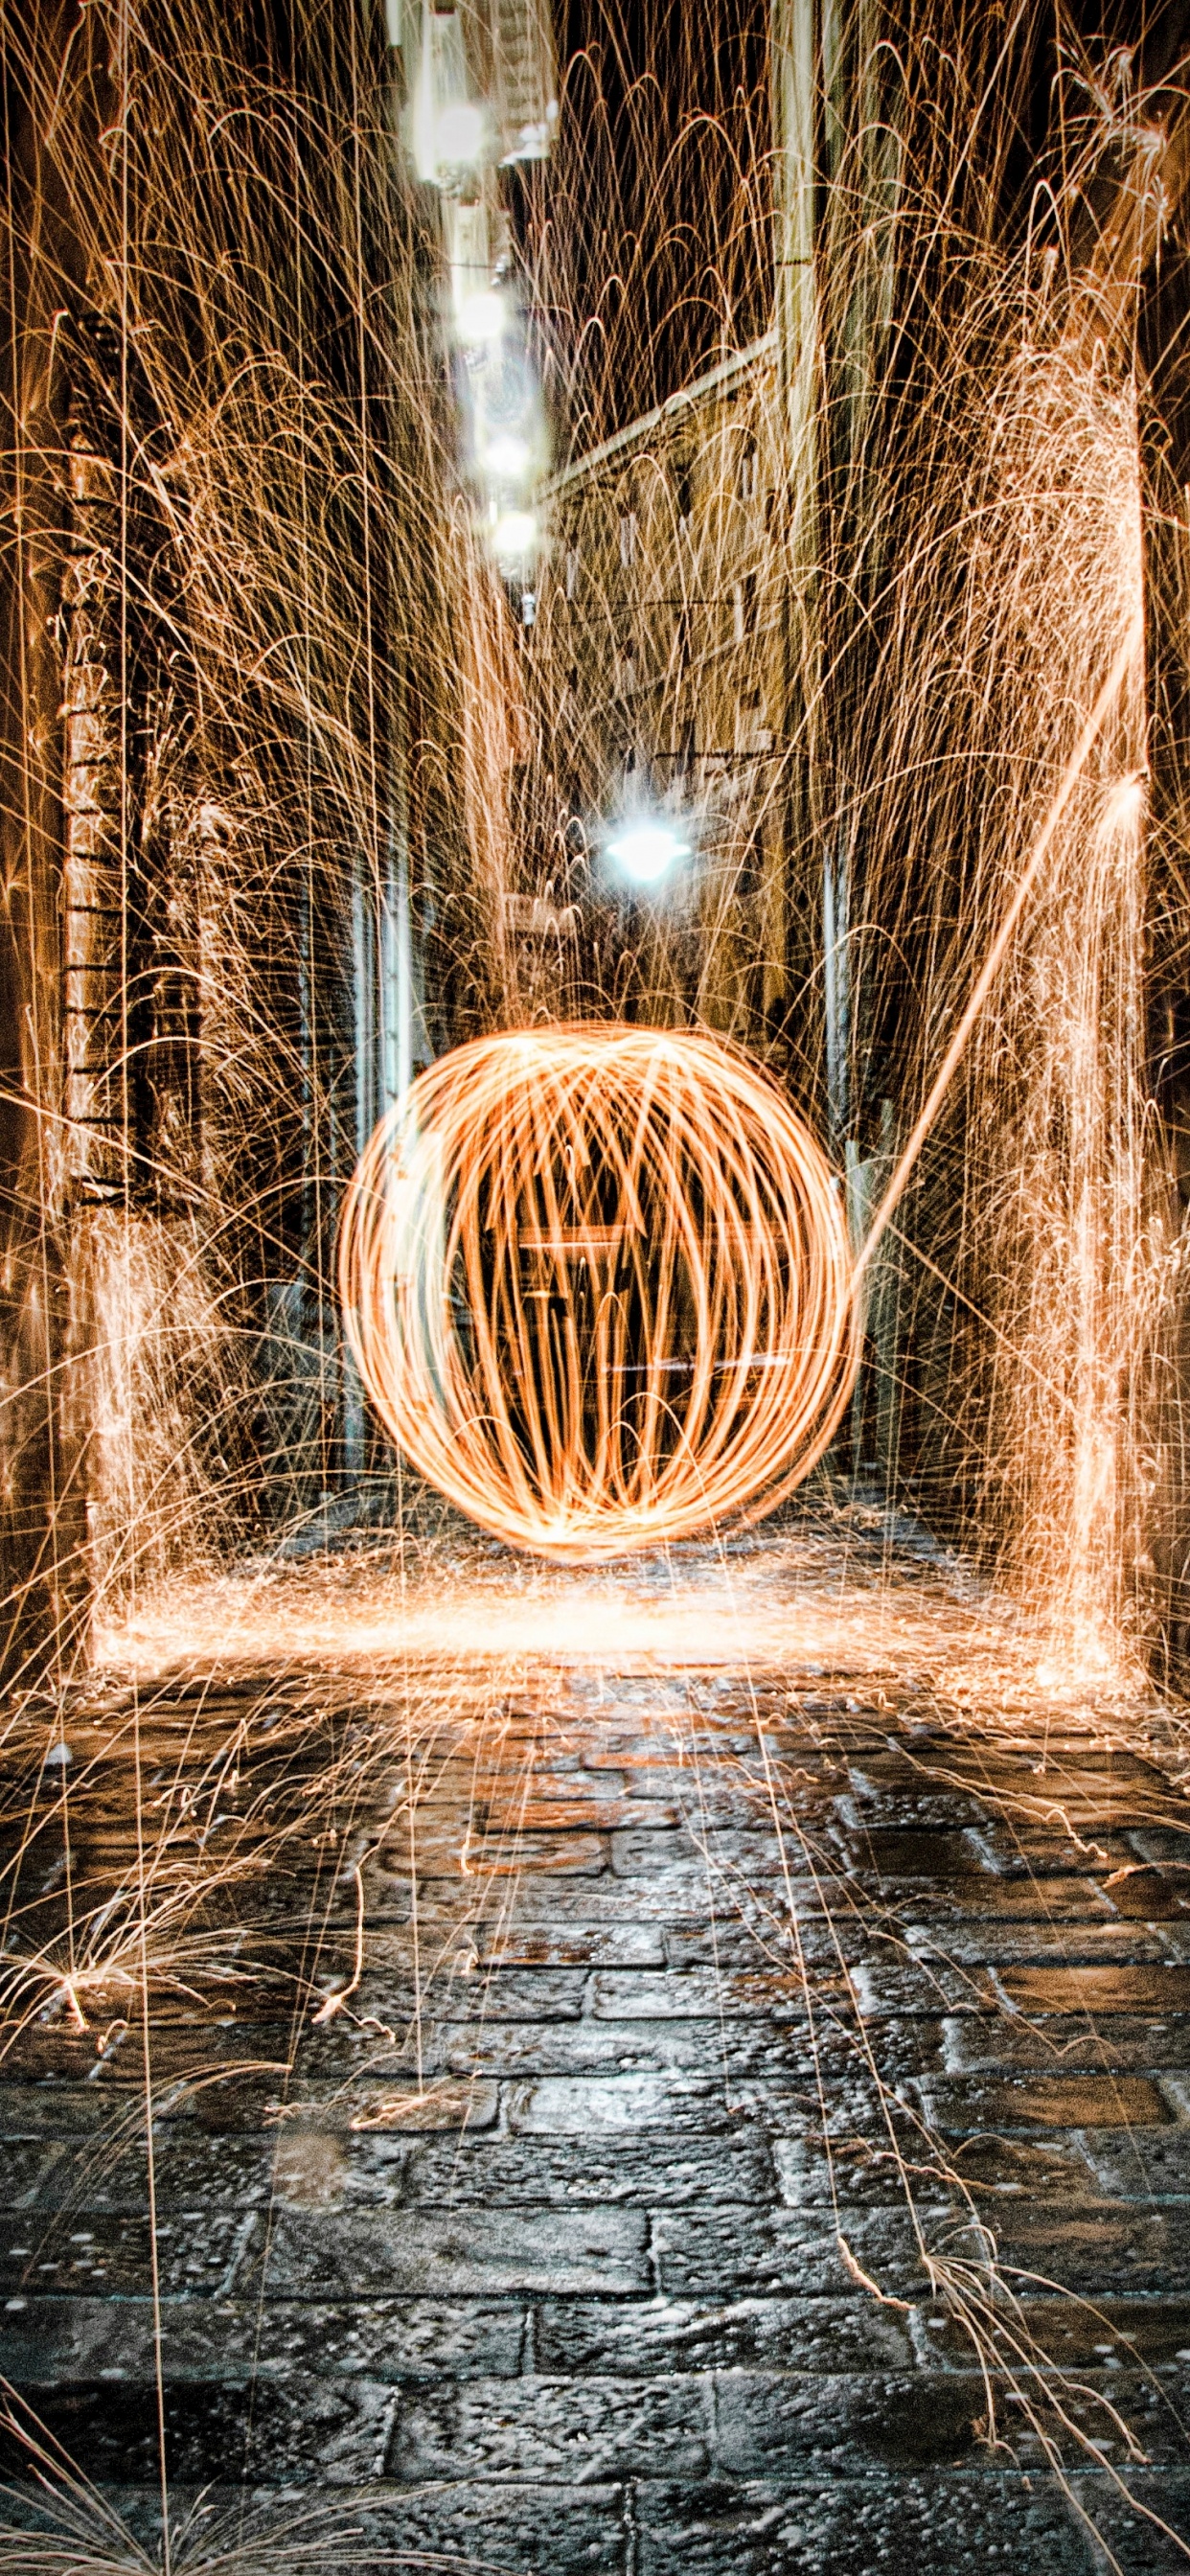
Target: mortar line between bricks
{"x": 631, "y": 2529}
{"x": 388, "y": 2435}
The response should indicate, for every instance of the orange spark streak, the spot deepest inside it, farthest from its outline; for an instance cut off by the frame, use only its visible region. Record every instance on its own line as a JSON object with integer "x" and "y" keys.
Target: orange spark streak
{"x": 1132, "y": 645}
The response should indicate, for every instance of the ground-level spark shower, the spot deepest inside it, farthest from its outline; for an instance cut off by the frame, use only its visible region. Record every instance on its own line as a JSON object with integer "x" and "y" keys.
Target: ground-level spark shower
{"x": 597, "y": 1282}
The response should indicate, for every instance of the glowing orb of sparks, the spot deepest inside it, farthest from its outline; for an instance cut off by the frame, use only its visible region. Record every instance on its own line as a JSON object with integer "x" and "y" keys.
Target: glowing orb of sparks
{"x": 597, "y": 1284}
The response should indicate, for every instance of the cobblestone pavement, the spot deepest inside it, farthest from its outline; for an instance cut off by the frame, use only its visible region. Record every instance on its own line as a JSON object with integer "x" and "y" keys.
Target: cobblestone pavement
{"x": 572, "y": 2298}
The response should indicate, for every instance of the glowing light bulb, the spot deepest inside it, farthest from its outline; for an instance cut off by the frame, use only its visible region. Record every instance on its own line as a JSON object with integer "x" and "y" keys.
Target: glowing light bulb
{"x": 507, "y": 459}
{"x": 459, "y": 134}
{"x": 645, "y": 850}
{"x": 514, "y": 536}
{"x": 481, "y": 320}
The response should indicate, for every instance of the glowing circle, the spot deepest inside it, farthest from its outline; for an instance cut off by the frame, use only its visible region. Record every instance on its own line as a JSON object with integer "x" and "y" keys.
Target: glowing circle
{"x": 597, "y": 1283}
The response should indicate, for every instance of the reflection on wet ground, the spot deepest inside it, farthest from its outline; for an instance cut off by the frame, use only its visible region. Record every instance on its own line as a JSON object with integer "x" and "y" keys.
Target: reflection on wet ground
{"x": 608, "y": 2105}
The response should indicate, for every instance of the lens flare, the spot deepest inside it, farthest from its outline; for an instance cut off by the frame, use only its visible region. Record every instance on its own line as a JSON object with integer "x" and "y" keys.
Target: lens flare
{"x": 596, "y": 1280}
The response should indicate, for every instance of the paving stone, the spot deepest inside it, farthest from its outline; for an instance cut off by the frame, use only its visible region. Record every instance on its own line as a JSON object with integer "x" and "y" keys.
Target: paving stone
{"x": 301, "y": 2427}
{"x": 518, "y": 2528}
{"x": 534, "y": 2427}
{"x": 46, "y": 2111}
{"x": 735, "y": 2253}
{"x": 79, "y": 2249}
{"x": 88, "y": 2338}
{"x": 907, "y": 1853}
{"x": 887, "y": 1989}
{"x": 1150, "y": 1895}
{"x": 751, "y": 1853}
{"x": 541, "y": 2171}
{"x": 824, "y": 2334}
{"x": 696, "y": 1994}
{"x": 918, "y": 1811}
{"x": 1098, "y": 1990}
{"x": 702, "y": 2044}
{"x": 1121, "y": 2043}
{"x": 1018, "y": 1849}
{"x": 680, "y": 1892}
{"x": 386, "y": 2098}
{"x": 766, "y": 1945}
{"x": 180, "y": 2055}
{"x": 730, "y": 2053}
{"x": 577, "y": 1812}
{"x": 1029, "y": 1898}
{"x": 992, "y": 2168}
{"x": 30, "y": 2168}
{"x": 490, "y": 1994}
{"x": 113, "y": 2178}
{"x": 1031, "y": 1944}
{"x": 1165, "y": 1846}
{"x": 1093, "y": 2248}
{"x": 784, "y": 2421}
{"x": 962, "y": 2103}
{"x": 1140, "y": 2547}
{"x": 564, "y": 2529}
{"x": 582, "y": 2106}
{"x": 1148, "y": 2164}
{"x": 575, "y": 1945}
{"x": 940, "y": 2524}
{"x": 456, "y": 2253}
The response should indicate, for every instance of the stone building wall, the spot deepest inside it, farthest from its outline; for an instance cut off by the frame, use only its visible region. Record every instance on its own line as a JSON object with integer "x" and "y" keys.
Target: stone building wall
{"x": 42, "y": 1530}
{"x": 231, "y": 716}
{"x": 657, "y": 652}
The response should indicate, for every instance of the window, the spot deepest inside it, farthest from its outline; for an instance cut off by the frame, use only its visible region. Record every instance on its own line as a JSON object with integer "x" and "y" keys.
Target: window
{"x": 627, "y": 537}
{"x": 743, "y": 606}
{"x": 571, "y": 571}
{"x": 749, "y": 473}
{"x": 753, "y": 734}
{"x": 684, "y": 494}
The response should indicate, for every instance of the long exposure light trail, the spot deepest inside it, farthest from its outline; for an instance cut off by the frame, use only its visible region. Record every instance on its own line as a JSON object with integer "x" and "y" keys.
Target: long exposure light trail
{"x": 728, "y": 577}
{"x": 598, "y": 1286}
{"x": 1126, "y": 795}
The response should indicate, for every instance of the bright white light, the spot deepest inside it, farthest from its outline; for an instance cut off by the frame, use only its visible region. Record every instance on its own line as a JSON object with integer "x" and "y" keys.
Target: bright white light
{"x": 515, "y": 536}
{"x": 507, "y": 459}
{"x": 459, "y": 134}
{"x": 646, "y": 850}
{"x": 481, "y": 320}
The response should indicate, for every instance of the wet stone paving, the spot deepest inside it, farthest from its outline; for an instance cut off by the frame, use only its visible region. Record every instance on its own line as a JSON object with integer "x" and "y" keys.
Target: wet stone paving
{"x": 514, "y": 2222}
